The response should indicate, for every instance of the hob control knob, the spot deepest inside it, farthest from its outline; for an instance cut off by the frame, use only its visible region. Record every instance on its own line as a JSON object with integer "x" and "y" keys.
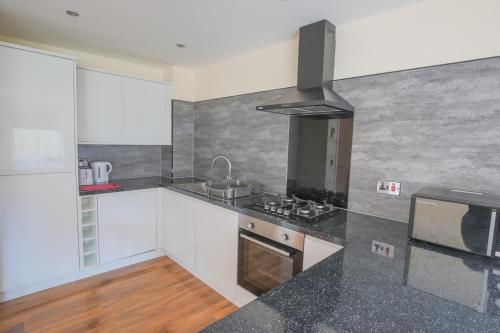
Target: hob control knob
{"x": 284, "y": 237}
{"x": 250, "y": 225}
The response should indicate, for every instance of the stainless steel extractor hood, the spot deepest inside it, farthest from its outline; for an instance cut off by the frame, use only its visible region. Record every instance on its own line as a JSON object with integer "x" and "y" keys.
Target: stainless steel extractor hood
{"x": 314, "y": 95}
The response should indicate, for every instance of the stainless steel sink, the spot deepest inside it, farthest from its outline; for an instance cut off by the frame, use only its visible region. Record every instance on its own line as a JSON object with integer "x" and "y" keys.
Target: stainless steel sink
{"x": 227, "y": 189}
{"x": 200, "y": 188}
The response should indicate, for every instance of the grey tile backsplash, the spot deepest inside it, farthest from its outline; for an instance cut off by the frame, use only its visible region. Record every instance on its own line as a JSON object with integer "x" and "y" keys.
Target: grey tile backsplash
{"x": 130, "y": 161}
{"x": 255, "y": 142}
{"x": 182, "y": 138}
{"x": 429, "y": 126}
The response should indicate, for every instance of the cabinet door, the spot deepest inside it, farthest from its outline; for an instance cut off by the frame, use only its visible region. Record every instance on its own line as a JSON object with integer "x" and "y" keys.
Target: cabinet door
{"x": 37, "y": 113}
{"x": 316, "y": 250}
{"x": 100, "y": 106}
{"x": 179, "y": 228}
{"x": 127, "y": 224}
{"x": 168, "y": 126}
{"x": 144, "y": 112}
{"x": 217, "y": 247}
{"x": 38, "y": 228}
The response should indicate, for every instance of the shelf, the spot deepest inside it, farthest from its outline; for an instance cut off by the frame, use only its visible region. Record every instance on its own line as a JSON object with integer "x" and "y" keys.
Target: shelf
{"x": 89, "y": 217}
{"x": 89, "y": 259}
{"x": 88, "y": 203}
{"x": 89, "y": 231}
{"x": 89, "y": 246}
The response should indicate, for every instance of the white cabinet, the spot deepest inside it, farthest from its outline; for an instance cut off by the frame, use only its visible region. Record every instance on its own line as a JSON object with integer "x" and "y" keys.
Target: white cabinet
{"x": 178, "y": 219}
{"x": 217, "y": 247}
{"x": 316, "y": 250}
{"x": 114, "y": 109}
{"x": 37, "y": 112}
{"x": 202, "y": 238}
{"x": 100, "y": 106}
{"x": 38, "y": 228}
{"x": 127, "y": 224}
{"x": 144, "y": 111}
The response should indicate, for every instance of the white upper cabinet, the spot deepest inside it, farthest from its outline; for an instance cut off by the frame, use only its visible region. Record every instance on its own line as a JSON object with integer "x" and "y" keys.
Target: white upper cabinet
{"x": 100, "y": 106}
{"x": 114, "y": 109}
{"x": 37, "y": 112}
{"x": 144, "y": 112}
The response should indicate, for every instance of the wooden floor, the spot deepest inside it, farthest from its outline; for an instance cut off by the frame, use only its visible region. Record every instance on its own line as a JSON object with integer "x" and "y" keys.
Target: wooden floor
{"x": 154, "y": 296}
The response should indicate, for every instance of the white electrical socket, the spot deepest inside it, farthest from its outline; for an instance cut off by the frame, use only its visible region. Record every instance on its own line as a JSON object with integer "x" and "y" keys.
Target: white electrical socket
{"x": 388, "y": 187}
{"x": 383, "y": 249}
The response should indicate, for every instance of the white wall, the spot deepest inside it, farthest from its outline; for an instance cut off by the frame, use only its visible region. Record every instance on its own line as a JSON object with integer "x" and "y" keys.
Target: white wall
{"x": 184, "y": 83}
{"x": 265, "y": 69}
{"x": 428, "y": 33}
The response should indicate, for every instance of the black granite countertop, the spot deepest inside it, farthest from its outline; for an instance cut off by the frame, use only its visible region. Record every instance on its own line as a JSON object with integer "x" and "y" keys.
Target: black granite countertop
{"x": 422, "y": 288}
{"x": 142, "y": 183}
{"x": 330, "y": 229}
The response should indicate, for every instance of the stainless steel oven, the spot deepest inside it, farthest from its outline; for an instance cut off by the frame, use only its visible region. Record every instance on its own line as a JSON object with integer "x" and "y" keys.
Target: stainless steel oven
{"x": 268, "y": 254}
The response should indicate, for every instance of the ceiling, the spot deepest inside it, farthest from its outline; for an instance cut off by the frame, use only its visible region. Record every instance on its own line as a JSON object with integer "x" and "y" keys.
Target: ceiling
{"x": 147, "y": 30}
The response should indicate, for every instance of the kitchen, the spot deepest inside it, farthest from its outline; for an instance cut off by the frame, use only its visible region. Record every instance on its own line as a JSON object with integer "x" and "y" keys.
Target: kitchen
{"x": 233, "y": 186}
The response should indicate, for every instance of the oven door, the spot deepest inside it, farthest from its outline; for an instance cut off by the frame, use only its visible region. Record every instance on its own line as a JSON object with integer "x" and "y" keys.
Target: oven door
{"x": 263, "y": 264}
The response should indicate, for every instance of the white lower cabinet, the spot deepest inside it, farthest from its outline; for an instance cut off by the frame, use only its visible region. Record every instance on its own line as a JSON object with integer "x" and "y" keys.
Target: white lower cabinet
{"x": 202, "y": 238}
{"x": 127, "y": 224}
{"x": 38, "y": 229}
{"x": 217, "y": 247}
{"x": 316, "y": 250}
{"x": 178, "y": 228}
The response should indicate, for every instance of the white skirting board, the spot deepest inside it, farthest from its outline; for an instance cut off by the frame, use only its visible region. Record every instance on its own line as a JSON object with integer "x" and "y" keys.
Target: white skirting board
{"x": 84, "y": 273}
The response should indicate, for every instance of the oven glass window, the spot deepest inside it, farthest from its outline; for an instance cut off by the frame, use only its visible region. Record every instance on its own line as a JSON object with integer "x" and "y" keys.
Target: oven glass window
{"x": 263, "y": 267}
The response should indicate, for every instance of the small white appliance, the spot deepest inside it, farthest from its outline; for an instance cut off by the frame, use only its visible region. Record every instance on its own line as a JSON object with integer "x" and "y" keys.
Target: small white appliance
{"x": 101, "y": 171}
{"x": 86, "y": 177}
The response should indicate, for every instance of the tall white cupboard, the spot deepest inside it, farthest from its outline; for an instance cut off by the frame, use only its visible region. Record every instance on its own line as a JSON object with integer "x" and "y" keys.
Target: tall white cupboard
{"x": 38, "y": 184}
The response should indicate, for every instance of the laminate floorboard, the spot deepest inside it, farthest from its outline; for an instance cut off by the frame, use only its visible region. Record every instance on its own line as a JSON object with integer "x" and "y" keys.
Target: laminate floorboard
{"x": 154, "y": 296}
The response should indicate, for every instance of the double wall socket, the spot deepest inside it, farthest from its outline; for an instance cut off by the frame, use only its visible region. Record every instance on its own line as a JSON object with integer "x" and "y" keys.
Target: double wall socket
{"x": 383, "y": 249}
{"x": 388, "y": 187}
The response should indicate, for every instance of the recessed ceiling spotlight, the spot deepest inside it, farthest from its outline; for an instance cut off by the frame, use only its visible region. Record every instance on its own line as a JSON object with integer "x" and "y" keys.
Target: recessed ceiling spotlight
{"x": 72, "y": 13}
{"x": 180, "y": 45}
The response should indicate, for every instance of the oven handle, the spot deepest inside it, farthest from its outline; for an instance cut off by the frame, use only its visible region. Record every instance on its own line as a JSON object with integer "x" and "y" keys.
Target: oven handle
{"x": 270, "y": 247}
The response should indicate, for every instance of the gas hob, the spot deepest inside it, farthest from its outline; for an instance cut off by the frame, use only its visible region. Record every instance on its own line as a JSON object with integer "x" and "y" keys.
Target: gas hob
{"x": 292, "y": 207}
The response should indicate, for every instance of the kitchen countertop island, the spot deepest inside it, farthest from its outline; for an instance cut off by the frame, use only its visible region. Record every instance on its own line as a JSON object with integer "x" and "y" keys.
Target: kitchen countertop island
{"x": 422, "y": 288}
{"x": 416, "y": 288}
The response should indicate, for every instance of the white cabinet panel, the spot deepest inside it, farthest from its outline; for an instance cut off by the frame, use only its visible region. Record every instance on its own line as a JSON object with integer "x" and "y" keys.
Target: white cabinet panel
{"x": 144, "y": 111}
{"x": 316, "y": 250}
{"x": 217, "y": 247}
{"x": 127, "y": 224}
{"x": 100, "y": 106}
{"x": 114, "y": 109}
{"x": 168, "y": 123}
{"x": 37, "y": 111}
{"x": 38, "y": 228}
{"x": 179, "y": 228}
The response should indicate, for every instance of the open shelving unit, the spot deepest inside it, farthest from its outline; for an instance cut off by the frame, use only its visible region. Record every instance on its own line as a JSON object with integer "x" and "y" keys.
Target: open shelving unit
{"x": 89, "y": 232}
